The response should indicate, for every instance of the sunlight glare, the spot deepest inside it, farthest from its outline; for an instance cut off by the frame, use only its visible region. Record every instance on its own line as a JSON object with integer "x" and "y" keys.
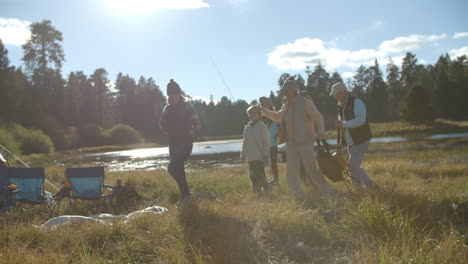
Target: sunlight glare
{"x": 147, "y": 6}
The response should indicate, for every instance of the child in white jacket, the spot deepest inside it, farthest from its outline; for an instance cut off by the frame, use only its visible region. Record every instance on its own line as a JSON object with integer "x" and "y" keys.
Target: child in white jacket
{"x": 256, "y": 149}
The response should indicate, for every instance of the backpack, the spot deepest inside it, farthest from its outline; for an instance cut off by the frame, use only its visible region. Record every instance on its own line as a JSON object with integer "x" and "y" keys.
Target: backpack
{"x": 328, "y": 165}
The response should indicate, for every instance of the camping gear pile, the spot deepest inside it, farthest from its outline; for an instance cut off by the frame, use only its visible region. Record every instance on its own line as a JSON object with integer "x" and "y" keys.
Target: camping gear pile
{"x": 59, "y": 221}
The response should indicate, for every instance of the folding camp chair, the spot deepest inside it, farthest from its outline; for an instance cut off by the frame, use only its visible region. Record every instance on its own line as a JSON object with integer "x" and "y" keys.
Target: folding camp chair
{"x": 7, "y": 192}
{"x": 87, "y": 185}
{"x": 31, "y": 195}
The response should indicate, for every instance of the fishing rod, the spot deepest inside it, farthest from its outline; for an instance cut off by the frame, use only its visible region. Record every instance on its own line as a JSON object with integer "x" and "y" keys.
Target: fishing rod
{"x": 229, "y": 90}
{"x": 222, "y": 78}
{"x": 26, "y": 165}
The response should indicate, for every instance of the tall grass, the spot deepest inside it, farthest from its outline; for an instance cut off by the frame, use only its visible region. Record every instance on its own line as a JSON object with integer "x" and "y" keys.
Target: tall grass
{"x": 418, "y": 215}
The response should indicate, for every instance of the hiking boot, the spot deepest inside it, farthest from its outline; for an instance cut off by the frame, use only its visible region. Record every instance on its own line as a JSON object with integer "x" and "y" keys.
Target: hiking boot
{"x": 184, "y": 199}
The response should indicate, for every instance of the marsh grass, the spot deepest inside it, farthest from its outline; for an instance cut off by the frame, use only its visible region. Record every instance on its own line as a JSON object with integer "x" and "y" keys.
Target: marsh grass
{"x": 418, "y": 215}
{"x": 404, "y": 129}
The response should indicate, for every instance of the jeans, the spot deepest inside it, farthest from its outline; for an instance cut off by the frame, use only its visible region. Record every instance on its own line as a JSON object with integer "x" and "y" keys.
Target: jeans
{"x": 273, "y": 162}
{"x": 358, "y": 175}
{"x": 257, "y": 176}
{"x": 178, "y": 155}
{"x": 304, "y": 154}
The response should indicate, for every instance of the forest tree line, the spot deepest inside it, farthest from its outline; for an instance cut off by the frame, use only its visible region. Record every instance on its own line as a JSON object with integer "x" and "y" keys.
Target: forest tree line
{"x": 77, "y": 110}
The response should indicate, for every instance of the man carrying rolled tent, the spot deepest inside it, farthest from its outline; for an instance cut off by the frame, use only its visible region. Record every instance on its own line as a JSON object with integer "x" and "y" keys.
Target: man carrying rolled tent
{"x": 355, "y": 132}
{"x": 303, "y": 124}
{"x": 179, "y": 121}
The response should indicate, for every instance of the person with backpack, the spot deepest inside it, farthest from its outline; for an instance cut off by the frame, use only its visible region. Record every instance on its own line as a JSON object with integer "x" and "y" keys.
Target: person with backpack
{"x": 301, "y": 124}
{"x": 354, "y": 132}
{"x": 179, "y": 121}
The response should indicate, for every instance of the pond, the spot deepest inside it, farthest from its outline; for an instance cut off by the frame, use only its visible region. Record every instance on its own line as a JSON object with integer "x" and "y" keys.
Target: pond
{"x": 205, "y": 155}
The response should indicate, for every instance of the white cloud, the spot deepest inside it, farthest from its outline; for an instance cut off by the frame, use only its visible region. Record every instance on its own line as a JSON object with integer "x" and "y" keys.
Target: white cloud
{"x": 303, "y": 52}
{"x": 201, "y": 98}
{"x": 309, "y": 51}
{"x": 460, "y": 35}
{"x": 14, "y": 31}
{"x": 436, "y": 37}
{"x": 454, "y": 53}
{"x": 298, "y": 54}
{"x": 401, "y": 44}
{"x": 347, "y": 75}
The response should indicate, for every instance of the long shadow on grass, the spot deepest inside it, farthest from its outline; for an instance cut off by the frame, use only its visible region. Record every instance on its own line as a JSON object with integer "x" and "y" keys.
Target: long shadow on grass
{"x": 223, "y": 239}
{"x": 425, "y": 214}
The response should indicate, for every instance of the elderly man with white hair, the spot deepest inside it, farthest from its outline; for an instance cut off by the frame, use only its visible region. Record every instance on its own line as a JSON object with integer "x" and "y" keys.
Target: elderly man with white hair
{"x": 355, "y": 132}
{"x": 303, "y": 124}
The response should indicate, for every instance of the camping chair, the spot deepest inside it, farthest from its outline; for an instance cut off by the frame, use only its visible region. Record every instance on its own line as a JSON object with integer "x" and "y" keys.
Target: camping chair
{"x": 87, "y": 185}
{"x": 30, "y": 182}
{"x": 7, "y": 192}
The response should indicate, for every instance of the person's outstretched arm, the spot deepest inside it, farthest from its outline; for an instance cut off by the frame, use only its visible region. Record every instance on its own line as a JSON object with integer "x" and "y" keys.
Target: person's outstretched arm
{"x": 272, "y": 115}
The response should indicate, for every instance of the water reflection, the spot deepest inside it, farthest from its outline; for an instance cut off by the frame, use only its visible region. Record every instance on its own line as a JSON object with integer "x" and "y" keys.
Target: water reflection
{"x": 205, "y": 155}
{"x": 199, "y": 148}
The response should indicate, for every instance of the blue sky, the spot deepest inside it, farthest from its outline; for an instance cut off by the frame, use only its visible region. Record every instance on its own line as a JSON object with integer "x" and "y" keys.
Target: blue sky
{"x": 251, "y": 42}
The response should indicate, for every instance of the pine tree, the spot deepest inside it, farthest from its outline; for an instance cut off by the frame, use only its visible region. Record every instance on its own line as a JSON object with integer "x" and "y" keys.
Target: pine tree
{"x": 377, "y": 95}
{"x": 43, "y": 48}
{"x": 458, "y": 77}
{"x": 442, "y": 88}
{"x": 416, "y": 107}
{"x": 408, "y": 72}
{"x": 360, "y": 82}
{"x": 394, "y": 90}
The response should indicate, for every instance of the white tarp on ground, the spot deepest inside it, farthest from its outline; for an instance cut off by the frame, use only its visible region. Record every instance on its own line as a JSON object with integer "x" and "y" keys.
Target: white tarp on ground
{"x": 101, "y": 218}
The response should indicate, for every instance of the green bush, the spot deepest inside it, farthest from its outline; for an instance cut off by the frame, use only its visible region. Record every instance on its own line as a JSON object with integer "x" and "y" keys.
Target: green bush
{"x": 122, "y": 135}
{"x": 18, "y": 131}
{"x": 30, "y": 140}
{"x": 90, "y": 135}
{"x": 8, "y": 141}
{"x": 36, "y": 142}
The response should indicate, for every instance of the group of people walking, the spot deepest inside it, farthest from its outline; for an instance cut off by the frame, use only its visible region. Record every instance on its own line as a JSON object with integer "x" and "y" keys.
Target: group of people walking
{"x": 298, "y": 124}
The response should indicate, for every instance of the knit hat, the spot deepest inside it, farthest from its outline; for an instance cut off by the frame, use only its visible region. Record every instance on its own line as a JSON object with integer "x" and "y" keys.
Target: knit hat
{"x": 173, "y": 88}
{"x": 337, "y": 88}
{"x": 290, "y": 84}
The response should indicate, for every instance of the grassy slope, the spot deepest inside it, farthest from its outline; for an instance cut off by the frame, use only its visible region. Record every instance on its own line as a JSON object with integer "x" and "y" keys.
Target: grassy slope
{"x": 413, "y": 218}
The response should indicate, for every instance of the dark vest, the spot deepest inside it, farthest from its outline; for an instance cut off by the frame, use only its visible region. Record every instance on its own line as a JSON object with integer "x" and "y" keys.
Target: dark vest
{"x": 360, "y": 134}
{"x": 179, "y": 124}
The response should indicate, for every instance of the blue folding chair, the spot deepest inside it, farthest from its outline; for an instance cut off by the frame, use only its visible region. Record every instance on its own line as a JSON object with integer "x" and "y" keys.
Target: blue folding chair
{"x": 88, "y": 184}
{"x": 30, "y": 182}
{"x": 7, "y": 191}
